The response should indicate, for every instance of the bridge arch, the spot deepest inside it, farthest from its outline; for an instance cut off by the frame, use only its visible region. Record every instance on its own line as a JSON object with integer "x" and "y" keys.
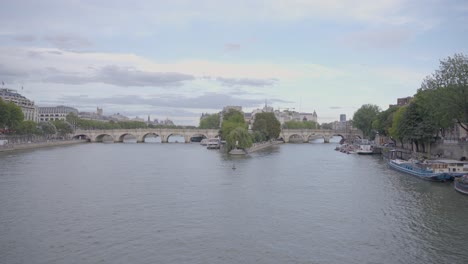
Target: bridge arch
{"x": 198, "y": 136}
{"x": 180, "y": 134}
{"x": 295, "y": 138}
{"x": 156, "y": 135}
{"x": 82, "y": 136}
{"x": 102, "y": 137}
{"x": 122, "y": 137}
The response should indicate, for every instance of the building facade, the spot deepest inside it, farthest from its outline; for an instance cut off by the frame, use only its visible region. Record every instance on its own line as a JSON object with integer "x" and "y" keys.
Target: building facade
{"x": 52, "y": 113}
{"x": 26, "y": 105}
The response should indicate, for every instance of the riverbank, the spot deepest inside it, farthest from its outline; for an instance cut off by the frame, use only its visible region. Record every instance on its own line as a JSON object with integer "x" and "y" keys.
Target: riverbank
{"x": 35, "y": 145}
{"x": 255, "y": 147}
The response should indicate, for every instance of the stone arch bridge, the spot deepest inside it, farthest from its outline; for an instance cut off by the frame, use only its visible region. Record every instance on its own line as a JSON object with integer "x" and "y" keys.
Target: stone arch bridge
{"x": 306, "y": 135}
{"x": 140, "y": 134}
{"x": 117, "y": 135}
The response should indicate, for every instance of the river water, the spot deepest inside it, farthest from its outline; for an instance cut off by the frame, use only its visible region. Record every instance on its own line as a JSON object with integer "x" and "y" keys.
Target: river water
{"x": 182, "y": 203}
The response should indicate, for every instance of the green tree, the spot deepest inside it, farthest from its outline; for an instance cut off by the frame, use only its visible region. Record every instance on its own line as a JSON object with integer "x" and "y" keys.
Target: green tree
{"x": 231, "y": 120}
{"x": 397, "y": 131}
{"x": 27, "y": 128}
{"x": 238, "y": 135}
{"x": 300, "y": 125}
{"x": 63, "y": 127}
{"x": 47, "y": 128}
{"x": 451, "y": 83}
{"x": 384, "y": 121}
{"x": 267, "y": 124}
{"x": 11, "y": 115}
{"x": 210, "y": 122}
{"x": 364, "y": 117}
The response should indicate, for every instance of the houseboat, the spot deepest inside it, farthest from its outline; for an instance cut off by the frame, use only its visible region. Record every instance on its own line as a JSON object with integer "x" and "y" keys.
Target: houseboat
{"x": 461, "y": 184}
{"x": 422, "y": 170}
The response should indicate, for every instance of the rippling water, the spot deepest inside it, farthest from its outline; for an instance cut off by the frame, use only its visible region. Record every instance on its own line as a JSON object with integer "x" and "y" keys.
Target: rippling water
{"x": 181, "y": 203}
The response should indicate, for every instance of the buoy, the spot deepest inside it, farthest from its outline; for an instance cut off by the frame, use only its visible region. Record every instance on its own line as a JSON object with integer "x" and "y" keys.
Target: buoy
{"x": 233, "y": 166}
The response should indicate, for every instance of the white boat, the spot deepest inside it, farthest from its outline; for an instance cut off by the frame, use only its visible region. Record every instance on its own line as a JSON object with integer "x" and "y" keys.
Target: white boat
{"x": 454, "y": 168}
{"x": 204, "y": 142}
{"x": 364, "y": 150}
{"x": 213, "y": 143}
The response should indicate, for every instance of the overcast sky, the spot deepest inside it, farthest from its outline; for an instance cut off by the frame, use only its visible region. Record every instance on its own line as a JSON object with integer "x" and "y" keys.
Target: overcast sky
{"x": 176, "y": 59}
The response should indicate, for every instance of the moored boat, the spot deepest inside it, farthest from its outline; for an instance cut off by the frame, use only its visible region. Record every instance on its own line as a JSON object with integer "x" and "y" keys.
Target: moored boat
{"x": 461, "y": 184}
{"x": 419, "y": 170}
{"x": 454, "y": 168}
{"x": 214, "y": 143}
{"x": 365, "y": 150}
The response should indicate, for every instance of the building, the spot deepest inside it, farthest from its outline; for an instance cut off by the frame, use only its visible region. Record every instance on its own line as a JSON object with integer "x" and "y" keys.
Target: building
{"x": 52, "y": 113}
{"x": 343, "y": 118}
{"x": 26, "y": 105}
{"x": 402, "y": 101}
{"x": 118, "y": 117}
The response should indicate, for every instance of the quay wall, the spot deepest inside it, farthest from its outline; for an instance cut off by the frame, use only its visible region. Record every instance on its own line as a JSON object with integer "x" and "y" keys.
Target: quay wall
{"x": 12, "y": 147}
{"x": 263, "y": 145}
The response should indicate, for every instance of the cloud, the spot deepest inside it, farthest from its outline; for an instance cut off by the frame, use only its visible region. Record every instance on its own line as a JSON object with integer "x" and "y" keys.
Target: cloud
{"x": 68, "y": 41}
{"x": 205, "y": 101}
{"x": 383, "y": 38}
{"x": 120, "y": 76}
{"x": 232, "y": 47}
{"x": 246, "y": 82}
{"x": 24, "y": 38}
{"x": 10, "y": 74}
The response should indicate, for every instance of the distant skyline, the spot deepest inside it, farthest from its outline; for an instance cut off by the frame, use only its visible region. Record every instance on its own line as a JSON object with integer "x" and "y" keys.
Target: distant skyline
{"x": 177, "y": 59}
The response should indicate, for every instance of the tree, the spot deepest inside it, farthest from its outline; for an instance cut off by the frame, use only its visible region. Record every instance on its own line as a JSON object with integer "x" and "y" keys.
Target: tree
{"x": 231, "y": 120}
{"x": 27, "y": 128}
{"x": 300, "y": 125}
{"x": 63, "y": 127}
{"x": 451, "y": 84}
{"x": 267, "y": 124}
{"x": 11, "y": 115}
{"x": 364, "y": 117}
{"x": 397, "y": 131}
{"x": 238, "y": 135}
{"x": 384, "y": 121}
{"x": 210, "y": 122}
{"x": 47, "y": 128}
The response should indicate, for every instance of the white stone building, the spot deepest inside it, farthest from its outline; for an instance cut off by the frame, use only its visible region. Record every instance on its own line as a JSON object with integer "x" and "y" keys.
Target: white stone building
{"x": 52, "y": 113}
{"x": 26, "y": 105}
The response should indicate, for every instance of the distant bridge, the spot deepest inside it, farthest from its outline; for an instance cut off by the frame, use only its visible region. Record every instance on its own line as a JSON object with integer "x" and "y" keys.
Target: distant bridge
{"x": 118, "y": 135}
{"x": 306, "y": 135}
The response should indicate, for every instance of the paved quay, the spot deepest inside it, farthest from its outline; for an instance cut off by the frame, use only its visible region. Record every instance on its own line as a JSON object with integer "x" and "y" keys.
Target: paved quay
{"x": 44, "y": 144}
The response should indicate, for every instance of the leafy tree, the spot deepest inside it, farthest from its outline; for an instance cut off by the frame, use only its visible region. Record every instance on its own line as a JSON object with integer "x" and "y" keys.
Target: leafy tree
{"x": 11, "y": 115}
{"x": 326, "y": 126}
{"x": 451, "y": 84}
{"x": 210, "y": 122}
{"x": 47, "y": 128}
{"x": 384, "y": 121}
{"x": 267, "y": 124}
{"x": 231, "y": 120}
{"x": 257, "y": 136}
{"x": 397, "y": 131}
{"x": 364, "y": 117}
{"x": 300, "y": 125}
{"x": 239, "y": 135}
{"x": 27, "y": 128}
{"x": 63, "y": 127}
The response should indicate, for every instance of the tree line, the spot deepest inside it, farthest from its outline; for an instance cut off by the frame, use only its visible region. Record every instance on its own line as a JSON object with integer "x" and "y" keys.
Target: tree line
{"x": 439, "y": 105}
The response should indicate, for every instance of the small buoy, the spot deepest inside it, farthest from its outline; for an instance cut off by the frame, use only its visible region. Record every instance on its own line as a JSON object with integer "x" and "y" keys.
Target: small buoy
{"x": 233, "y": 166}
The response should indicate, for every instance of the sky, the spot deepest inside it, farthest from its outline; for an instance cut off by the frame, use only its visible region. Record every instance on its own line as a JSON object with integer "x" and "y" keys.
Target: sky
{"x": 177, "y": 59}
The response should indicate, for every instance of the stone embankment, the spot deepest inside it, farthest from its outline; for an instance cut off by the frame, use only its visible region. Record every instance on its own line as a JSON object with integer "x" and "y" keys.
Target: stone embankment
{"x": 255, "y": 147}
{"x": 33, "y": 145}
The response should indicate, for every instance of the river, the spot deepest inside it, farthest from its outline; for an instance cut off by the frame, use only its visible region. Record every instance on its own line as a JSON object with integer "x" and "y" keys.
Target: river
{"x": 181, "y": 203}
